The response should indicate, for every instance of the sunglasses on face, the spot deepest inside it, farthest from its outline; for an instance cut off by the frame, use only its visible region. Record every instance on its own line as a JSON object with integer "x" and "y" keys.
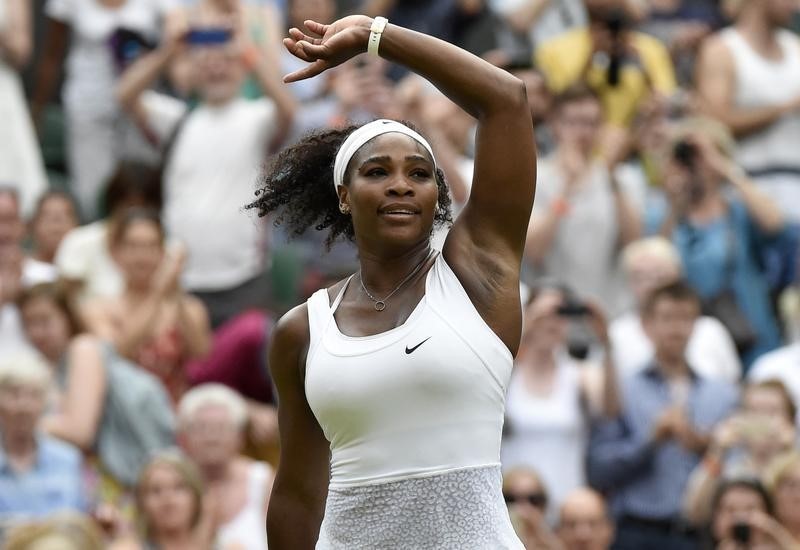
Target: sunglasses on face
{"x": 537, "y": 500}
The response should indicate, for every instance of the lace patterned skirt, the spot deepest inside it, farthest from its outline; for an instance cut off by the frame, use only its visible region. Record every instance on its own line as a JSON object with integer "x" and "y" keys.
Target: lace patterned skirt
{"x": 462, "y": 509}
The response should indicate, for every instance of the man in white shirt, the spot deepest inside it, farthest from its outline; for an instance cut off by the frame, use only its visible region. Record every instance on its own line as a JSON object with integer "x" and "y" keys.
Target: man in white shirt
{"x": 649, "y": 264}
{"x": 588, "y": 209}
{"x": 213, "y": 156}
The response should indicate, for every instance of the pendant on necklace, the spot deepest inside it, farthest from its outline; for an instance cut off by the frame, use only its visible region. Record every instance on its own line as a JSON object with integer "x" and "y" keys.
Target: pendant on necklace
{"x": 380, "y": 305}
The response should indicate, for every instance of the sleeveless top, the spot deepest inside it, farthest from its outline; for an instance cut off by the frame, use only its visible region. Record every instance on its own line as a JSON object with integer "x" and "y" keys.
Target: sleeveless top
{"x": 425, "y": 397}
{"x": 548, "y": 432}
{"x": 246, "y": 530}
{"x": 762, "y": 82}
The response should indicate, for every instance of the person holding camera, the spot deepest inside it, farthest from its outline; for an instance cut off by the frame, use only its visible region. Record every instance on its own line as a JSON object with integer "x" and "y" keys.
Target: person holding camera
{"x": 742, "y": 519}
{"x": 212, "y": 154}
{"x": 585, "y": 195}
{"x": 717, "y": 229}
{"x": 643, "y": 458}
{"x": 624, "y": 67}
{"x": 552, "y": 396}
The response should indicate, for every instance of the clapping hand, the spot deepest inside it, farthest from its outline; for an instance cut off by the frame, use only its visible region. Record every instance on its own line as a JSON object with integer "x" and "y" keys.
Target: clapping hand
{"x": 326, "y": 46}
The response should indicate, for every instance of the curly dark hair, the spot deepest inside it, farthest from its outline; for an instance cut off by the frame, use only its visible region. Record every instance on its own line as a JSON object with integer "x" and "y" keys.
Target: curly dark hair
{"x": 298, "y": 186}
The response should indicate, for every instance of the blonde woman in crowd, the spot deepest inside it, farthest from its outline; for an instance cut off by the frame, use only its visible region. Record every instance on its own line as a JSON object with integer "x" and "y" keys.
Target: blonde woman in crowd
{"x": 783, "y": 481}
{"x": 65, "y": 531}
{"x": 174, "y": 513}
{"x": 744, "y": 444}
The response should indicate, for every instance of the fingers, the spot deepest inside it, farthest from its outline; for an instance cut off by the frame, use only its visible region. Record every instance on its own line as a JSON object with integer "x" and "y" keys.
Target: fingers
{"x": 315, "y": 28}
{"x": 297, "y": 49}
{"x": 300, "y": 36}
{"x": 310, "y": 71}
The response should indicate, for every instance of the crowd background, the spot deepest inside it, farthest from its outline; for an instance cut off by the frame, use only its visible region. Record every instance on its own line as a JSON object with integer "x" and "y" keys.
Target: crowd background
{"x": 654, "y": 399}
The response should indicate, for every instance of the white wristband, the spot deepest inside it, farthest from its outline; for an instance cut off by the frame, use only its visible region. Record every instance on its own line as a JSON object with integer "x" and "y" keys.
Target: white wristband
{"x": 375, "y": 31}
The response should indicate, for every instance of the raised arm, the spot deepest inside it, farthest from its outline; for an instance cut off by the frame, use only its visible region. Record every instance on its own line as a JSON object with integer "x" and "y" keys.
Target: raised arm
{"x": 78, "y": 418}
{"x": 15, "y": 39}
{"x": 716, "y": 79}
{"x": 57, "y": 37}
{"x": 505, "y": 164}
{"x": 297, "y": 501}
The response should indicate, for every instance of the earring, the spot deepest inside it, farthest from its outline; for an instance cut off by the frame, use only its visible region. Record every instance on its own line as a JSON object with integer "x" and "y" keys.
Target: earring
{"x": 344, "y": 209}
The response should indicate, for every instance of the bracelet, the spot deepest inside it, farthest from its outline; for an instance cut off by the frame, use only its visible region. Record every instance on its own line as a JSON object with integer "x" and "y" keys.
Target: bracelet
{"x": 375, "y": 32}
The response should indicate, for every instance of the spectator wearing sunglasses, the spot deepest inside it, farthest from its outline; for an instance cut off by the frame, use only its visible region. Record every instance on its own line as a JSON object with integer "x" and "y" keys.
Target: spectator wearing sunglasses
{"x": 584, "y": 522}
{"x": 526, "y": 498}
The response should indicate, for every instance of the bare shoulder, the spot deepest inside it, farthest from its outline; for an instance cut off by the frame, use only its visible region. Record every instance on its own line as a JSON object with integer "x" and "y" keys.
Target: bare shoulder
{"x": 289, "y": 342}
{"x": 715, "y": 49}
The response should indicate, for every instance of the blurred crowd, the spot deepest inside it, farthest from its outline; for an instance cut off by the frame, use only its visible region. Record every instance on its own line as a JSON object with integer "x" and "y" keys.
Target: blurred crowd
{"x": 654, "y": 398}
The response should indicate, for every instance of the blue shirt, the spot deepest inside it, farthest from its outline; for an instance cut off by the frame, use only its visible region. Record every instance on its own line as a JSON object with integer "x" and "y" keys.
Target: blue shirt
{"x": 706, "y": 252}
{"x": 646, "y": 479}
{"x": 52, "y": 484}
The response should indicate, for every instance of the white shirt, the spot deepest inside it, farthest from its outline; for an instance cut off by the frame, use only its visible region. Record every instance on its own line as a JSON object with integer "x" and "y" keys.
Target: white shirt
{"x": 548, "y": 433}
{"x": 711, "y": 352}
{"x": 584, "y": 253}
{"x": 91, "y": 71}
{"x": 424, "y": 398}
{"x": 85, "y": 255}
{"x": 35, "y": 272}
{"x": 211, "y": 174}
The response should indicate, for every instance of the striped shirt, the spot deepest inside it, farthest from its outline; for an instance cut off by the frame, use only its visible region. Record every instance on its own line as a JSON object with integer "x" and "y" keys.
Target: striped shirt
{"x": 645, "y": 479}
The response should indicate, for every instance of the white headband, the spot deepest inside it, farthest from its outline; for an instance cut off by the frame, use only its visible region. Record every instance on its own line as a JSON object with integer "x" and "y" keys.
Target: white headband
{"x": 359, "y": 137}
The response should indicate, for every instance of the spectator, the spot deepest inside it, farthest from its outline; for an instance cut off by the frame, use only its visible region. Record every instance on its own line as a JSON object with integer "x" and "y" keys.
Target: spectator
{"x": 743, "y": 445}
{"x": 154, "y": 323}
{"x": 98, "y": 36}
{"x": 84, "y": 257}
{"x": 54, "y": 217}
{"x": 212, "y": 419}
{"x": 260, "y": 21}
{"x": 780, "y": 365}
{"x": 212, "y": 165}
{"x": 644, "y": 458}
{"x": 742, "y": 518}
{"x": 552, "y": 397}
{"x": 541, "y": 20}
{"x": 649, "y": 264}
{"x": 20, "y": 158}
{"x": 718, "y": 232}
{"x": 783, "y": 481}
{"x": 584, "y": 195}
{"x": 682, "y": 25}
{"x": 16, "y": 271}
{"x": 66, "y": 531}
{"x": 107, "y": 406}
{"x": 173, "y": 508}
{"x": 527, "y": 501}
{"x": 12, "y": 231}
{"x": 749, "y": 76}
{"x": 584, "y": 522}
{"x": 624, "y": 67}
{"x": 39, "y": 475}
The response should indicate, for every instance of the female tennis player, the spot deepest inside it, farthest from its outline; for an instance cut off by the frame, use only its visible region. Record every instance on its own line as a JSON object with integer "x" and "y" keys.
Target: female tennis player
{"x": 391, "y": 383}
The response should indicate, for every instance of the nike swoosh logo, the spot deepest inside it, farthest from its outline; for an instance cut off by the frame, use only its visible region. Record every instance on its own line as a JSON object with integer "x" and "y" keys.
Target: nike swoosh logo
{"x": 411, "y": 350}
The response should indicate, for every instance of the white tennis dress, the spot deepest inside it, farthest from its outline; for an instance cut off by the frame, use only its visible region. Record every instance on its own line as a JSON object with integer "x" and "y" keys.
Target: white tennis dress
{"x": 414, "y": 417}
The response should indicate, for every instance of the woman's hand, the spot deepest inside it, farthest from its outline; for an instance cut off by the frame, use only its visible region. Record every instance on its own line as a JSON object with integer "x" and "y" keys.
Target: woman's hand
{"x": 341, "y": 40}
